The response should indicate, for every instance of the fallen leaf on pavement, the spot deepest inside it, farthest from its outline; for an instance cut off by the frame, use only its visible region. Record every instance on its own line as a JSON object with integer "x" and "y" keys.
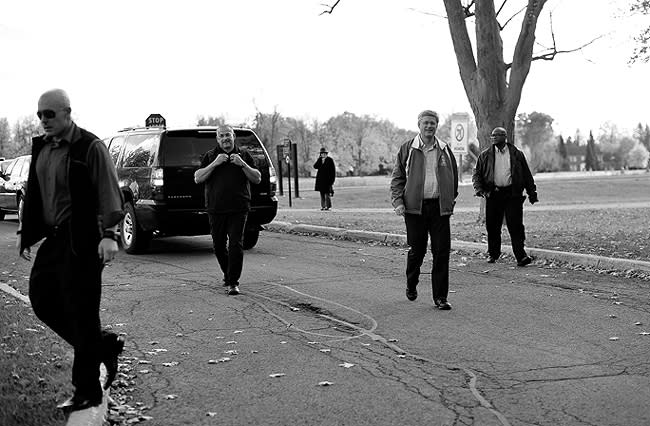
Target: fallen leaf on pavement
{"x": 170, "y": 364}
{"x": 613, "y": 338}
{"x": 346, "y": 365}
{"x": 216, "y": 361}
{"x": 325, "y": 383}
{"x": 325, "y": 350}
{"x": 274, "y": 375}
{"x": 171, "y": 396}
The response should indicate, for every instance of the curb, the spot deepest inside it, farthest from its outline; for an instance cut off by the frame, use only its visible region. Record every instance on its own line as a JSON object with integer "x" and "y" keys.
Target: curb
{"x": 599, "y": 262}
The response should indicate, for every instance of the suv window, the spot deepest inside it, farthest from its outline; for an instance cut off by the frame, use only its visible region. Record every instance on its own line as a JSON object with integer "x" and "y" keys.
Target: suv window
{"x": 185, "y": 147}
{"x": 140, "y": 150}
{"x": 115, "y": 148}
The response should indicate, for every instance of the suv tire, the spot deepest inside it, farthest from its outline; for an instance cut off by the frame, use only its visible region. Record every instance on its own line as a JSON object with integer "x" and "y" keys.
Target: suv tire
{"x": 250, "y": 237}
{"x": 2, "y": 215}
{"x": 134, "y": 239}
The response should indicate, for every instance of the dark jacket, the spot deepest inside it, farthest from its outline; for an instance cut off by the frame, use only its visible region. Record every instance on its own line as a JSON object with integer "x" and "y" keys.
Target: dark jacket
{"x": 227, "y": 189}
{"x": 85, "y": 226}
{"x": 483, "y": 177}
{"x": 325, "y": 176}
{"x": 407, "y": 183}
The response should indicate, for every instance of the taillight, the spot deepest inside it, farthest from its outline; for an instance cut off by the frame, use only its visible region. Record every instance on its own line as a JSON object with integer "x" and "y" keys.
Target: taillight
{"x": 273, "y": 180}
{"x": 157, "y": 179}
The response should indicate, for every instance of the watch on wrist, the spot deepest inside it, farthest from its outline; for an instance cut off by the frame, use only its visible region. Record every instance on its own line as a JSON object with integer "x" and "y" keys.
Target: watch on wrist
{"x": 109, "y": 233}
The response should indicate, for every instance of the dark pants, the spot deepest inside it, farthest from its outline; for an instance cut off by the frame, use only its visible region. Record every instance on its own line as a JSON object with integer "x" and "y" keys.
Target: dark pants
{"x": 65, "y": 292}
{"x": 228, "y": 243}
{"x": 418, "y": 229}
{"x": 499, "y": 204}
{"x": 325, "y": 200}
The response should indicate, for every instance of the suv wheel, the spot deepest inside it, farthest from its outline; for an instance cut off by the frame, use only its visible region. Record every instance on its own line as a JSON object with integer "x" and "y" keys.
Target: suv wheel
{"x": 2, "y": 215}
{"x": 134, "y": 239}
{"x": 251, "y": 235}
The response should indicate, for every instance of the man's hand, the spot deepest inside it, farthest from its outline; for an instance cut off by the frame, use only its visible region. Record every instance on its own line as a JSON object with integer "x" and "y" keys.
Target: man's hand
{"x": 221, "y": 158}
{"x": 107, "y": 250}
{"x": 532, "y": 198}
{"x": 399, "y": 210}
{"x": 237, "y": 160}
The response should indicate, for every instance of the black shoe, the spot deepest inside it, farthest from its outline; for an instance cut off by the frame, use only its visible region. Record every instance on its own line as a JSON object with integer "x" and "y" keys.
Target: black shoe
{"x": 233, "y": 290}
{"x": 77, "y": 403}
{"x": 524, "y": 261}
{"x": 411, "y": 294}
{"x": 114, "y": 346}
{"x": 442, "y": 304}
{"x": 492, "y": 259}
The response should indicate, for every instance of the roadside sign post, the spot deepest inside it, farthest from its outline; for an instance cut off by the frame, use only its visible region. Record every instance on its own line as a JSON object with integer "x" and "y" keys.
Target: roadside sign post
{"x": 280, "y": 155}
{"x": 459, "y": 137}
{"x": 287, "y": 158}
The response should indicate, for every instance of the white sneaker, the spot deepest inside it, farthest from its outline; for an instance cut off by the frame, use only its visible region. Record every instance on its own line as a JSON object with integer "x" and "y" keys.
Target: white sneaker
{"x": 233, "y": 290}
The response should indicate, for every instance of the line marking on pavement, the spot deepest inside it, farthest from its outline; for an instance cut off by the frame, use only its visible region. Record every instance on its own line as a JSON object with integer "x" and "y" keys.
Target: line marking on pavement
{"x": 473, "y": 378}
{"x": 15, "y": 293}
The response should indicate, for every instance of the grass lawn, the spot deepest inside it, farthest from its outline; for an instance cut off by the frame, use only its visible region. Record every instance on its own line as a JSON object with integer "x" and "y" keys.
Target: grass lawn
{"x": 613, "y": 231}
{"x": 35, "y": 368}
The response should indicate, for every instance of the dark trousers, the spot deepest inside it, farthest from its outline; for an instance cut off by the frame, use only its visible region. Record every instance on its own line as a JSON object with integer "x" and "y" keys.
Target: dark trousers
{"x": 418, "y": 230}
{"x": 499, "y": 204}
{"x": 227, "y": 231}
{"x": 325, "y": 200}
{"x": 65, "y": 292}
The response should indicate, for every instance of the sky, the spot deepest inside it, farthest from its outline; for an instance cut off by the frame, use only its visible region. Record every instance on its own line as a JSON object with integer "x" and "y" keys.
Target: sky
{"x": 122, "y": 60}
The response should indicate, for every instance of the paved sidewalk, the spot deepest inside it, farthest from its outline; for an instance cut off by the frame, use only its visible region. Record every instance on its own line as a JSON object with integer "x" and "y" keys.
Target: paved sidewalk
{"x": 599, "y": 262}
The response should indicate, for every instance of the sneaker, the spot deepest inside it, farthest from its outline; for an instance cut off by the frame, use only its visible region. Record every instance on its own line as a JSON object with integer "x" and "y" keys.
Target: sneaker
{"x": 524, "y": 261}
{"x": 233, "y": 290}
{"x": 492, "y": 259}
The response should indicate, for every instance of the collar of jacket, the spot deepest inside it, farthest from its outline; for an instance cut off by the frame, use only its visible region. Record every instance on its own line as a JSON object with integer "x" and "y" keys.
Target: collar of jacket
{"x": 418, "y": 143}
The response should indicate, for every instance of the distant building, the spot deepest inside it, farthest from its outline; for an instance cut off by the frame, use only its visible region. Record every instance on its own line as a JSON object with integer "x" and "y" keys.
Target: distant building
{"x": 577, "y": 156}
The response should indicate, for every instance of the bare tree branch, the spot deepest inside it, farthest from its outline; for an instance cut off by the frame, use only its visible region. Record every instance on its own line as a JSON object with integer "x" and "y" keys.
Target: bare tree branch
{"x": 331, "y": 8}
{"x": 512, "y": 17}
{"x": 552, "y": 52}
{"x": 502, "y": 6}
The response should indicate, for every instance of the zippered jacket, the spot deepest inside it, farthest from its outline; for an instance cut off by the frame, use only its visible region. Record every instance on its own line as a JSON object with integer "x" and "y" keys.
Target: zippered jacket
{"x": 522, "y": 178}
{"x": 407, "y": 183}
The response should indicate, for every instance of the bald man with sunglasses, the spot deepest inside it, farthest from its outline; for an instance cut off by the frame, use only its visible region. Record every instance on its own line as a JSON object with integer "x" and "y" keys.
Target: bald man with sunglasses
{"x": 73, "y": 202}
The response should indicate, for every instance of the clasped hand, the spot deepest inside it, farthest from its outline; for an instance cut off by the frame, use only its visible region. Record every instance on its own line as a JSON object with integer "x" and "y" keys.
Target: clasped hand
{"x": 232, "y": 158}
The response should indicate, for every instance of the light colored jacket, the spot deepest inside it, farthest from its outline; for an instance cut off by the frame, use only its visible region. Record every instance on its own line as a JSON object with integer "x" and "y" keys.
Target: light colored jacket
{"x": 407, "y": 183}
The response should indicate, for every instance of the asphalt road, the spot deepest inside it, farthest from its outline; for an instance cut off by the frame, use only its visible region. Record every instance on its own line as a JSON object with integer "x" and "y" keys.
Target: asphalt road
{"x": 522, "y": 346}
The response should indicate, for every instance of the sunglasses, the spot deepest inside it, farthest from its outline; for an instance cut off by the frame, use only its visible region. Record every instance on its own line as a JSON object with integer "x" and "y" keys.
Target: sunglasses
{"x": 47, "y": 113}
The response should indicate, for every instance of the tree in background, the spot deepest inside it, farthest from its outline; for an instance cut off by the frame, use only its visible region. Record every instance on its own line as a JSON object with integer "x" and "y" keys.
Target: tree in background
{"x": 210, "y": 120}
{"x": 637, "y": 157}
{"x": 562, "y": 152}
{"x": 641, "y": 52}
{"x": 591, "y": 156}
{"x": 535, "y": 132}
{"x": 24, "y": 130}
{"x": 642, "y": 134}
{"x": 5, "y": 138}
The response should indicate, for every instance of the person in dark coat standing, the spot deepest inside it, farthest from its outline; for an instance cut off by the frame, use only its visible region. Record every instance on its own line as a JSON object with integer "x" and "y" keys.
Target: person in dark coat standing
{"x": 325, "y": 179}
{"x": 500, "y": 176}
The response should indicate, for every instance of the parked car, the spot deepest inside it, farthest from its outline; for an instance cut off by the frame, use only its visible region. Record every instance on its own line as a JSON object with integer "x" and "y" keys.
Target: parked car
{"x": 13, "y": 183}
{"x": 155, "y": 168}
{"x": 4, "y": 164}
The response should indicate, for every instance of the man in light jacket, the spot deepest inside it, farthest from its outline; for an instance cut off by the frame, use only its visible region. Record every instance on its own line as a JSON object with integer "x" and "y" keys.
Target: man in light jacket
{"x": 424, "y": 187}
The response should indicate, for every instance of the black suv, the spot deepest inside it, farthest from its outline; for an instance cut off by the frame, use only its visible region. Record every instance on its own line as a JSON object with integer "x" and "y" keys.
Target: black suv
{"x": 155, "y": 168}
